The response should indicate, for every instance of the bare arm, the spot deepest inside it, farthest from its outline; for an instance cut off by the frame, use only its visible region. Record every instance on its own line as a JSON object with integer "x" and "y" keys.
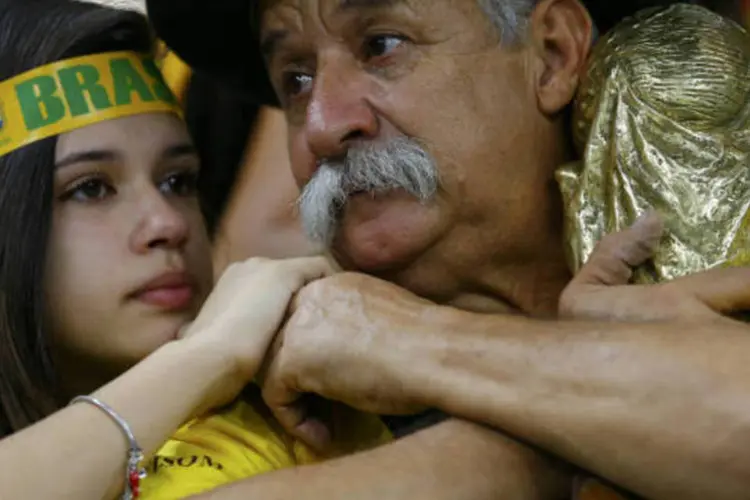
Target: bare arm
{"x": 452, "y": 461}
{"x": 663, "y": 409}
{"x": 80, "y": 453}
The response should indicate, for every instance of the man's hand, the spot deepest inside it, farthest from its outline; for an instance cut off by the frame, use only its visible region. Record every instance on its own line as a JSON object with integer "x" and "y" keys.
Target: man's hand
{"x": 601, "y": 290}
{"x": 345, "y": 340}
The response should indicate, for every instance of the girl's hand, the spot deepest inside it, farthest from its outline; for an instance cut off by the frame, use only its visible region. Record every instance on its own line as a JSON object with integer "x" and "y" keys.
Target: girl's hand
{"x": 245, "y": 310}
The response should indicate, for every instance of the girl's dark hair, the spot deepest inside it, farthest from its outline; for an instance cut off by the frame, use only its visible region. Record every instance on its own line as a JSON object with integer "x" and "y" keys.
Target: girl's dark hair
{"x": 34, "y": 33}
{"x": 220, "y": 122}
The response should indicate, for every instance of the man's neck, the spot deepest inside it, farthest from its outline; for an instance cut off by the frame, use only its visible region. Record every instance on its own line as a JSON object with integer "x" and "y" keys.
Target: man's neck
{"x": 531, "y": 289}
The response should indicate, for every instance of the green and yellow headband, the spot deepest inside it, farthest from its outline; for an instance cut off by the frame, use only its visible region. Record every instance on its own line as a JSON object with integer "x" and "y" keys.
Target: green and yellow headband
{"x": 74, "y": 93}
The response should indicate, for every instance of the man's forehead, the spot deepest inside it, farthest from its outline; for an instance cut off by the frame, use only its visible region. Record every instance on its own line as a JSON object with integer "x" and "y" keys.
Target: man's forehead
{"x": 339, "y": 4}
{"x": 328, "y": 7}
{"x": 277, "y": 16}
{"x": 349, "y": 4}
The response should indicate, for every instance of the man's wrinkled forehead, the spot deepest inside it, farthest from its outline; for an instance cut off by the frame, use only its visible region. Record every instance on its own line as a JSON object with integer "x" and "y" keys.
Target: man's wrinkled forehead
{"x": 331, "y": 6}
{"x": 277, "y": 17}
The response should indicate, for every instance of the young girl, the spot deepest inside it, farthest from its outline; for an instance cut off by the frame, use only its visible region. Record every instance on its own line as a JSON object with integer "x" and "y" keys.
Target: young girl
{"x": 104, "y": 267}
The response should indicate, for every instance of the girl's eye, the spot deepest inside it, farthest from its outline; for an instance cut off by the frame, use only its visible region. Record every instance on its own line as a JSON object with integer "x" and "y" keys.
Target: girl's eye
{"x": 184, "y": 184}
{"x": 89, "y": 190}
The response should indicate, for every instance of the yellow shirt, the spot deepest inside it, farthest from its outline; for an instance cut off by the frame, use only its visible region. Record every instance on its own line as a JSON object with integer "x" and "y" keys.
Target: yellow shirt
{"x": 235, "y": 444}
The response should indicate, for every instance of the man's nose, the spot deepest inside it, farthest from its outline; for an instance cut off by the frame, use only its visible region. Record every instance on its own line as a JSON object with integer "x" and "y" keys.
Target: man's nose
{"x": 161, "y": 225}
{"x": 338, "y": 112}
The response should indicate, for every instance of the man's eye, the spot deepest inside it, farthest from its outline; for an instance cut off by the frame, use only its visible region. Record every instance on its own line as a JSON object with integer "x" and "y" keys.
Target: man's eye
{"x": 382, "y": 45}
{"x": 296, "y": 83}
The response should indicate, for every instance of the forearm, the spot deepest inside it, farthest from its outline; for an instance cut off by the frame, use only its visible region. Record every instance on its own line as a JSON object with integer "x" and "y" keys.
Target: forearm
{"x": 454, "y": 460}
{"x": 661, "y": 409}
{"x": 81, "y": 453}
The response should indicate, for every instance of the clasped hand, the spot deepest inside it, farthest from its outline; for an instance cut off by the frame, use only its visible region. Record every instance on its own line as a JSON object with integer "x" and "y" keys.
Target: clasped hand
{"x": 301, "y": 329}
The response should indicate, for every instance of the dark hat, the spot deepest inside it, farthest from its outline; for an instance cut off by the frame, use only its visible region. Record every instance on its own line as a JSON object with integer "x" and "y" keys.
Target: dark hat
{"x": 210, "y": 37}
{"x": 215, "y": 37}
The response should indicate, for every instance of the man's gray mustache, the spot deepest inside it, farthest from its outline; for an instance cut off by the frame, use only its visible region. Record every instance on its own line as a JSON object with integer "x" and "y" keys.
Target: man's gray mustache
{"x": 400, "y": 163}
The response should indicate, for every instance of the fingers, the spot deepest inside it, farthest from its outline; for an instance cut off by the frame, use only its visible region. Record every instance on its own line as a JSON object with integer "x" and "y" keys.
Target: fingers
{"x": 282, "y": 401}
{"x": 723, "y": 290}
{"x": 611, "y": 264}
{"x": 315, "y": 433}
{"x": 292, "y": 410}
{"x": 297, "y": 422}
{"x": 307, "y": 269}
{"x": 613, "y": 259}
{"x": 289, "y": 405}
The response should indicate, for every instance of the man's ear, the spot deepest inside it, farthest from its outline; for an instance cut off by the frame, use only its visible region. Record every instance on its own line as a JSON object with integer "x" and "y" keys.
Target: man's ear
{"x": 561, "y": 34}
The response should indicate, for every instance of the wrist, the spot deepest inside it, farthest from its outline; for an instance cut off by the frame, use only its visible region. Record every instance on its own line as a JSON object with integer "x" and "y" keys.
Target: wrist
{"x": 428, "y": 354}
{"x": 174, "y": 384}
{"x": 463, "y": 353}
{"x": 210, "y": 368}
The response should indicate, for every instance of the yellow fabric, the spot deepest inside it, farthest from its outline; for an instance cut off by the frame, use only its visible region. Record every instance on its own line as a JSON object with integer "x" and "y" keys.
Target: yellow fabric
{"x": 238, "y": 443}
{"x": 74, "y": 93}
{"x": 176, "y": 73}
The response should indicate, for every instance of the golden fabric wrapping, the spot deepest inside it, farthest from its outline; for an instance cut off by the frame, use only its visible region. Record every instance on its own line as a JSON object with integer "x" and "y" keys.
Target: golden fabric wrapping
{"x": 662, "y": 121}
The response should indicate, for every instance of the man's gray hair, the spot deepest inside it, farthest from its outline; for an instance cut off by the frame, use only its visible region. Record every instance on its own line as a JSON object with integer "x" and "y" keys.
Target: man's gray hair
{"x": 509, "y": 17}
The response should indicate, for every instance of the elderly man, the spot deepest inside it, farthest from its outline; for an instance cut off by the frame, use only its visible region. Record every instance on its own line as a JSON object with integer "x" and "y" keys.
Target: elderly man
{"x": 426, "y": 134}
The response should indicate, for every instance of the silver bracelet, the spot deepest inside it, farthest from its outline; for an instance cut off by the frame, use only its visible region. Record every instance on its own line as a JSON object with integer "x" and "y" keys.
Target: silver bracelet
{"x": 134, "y": 473}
